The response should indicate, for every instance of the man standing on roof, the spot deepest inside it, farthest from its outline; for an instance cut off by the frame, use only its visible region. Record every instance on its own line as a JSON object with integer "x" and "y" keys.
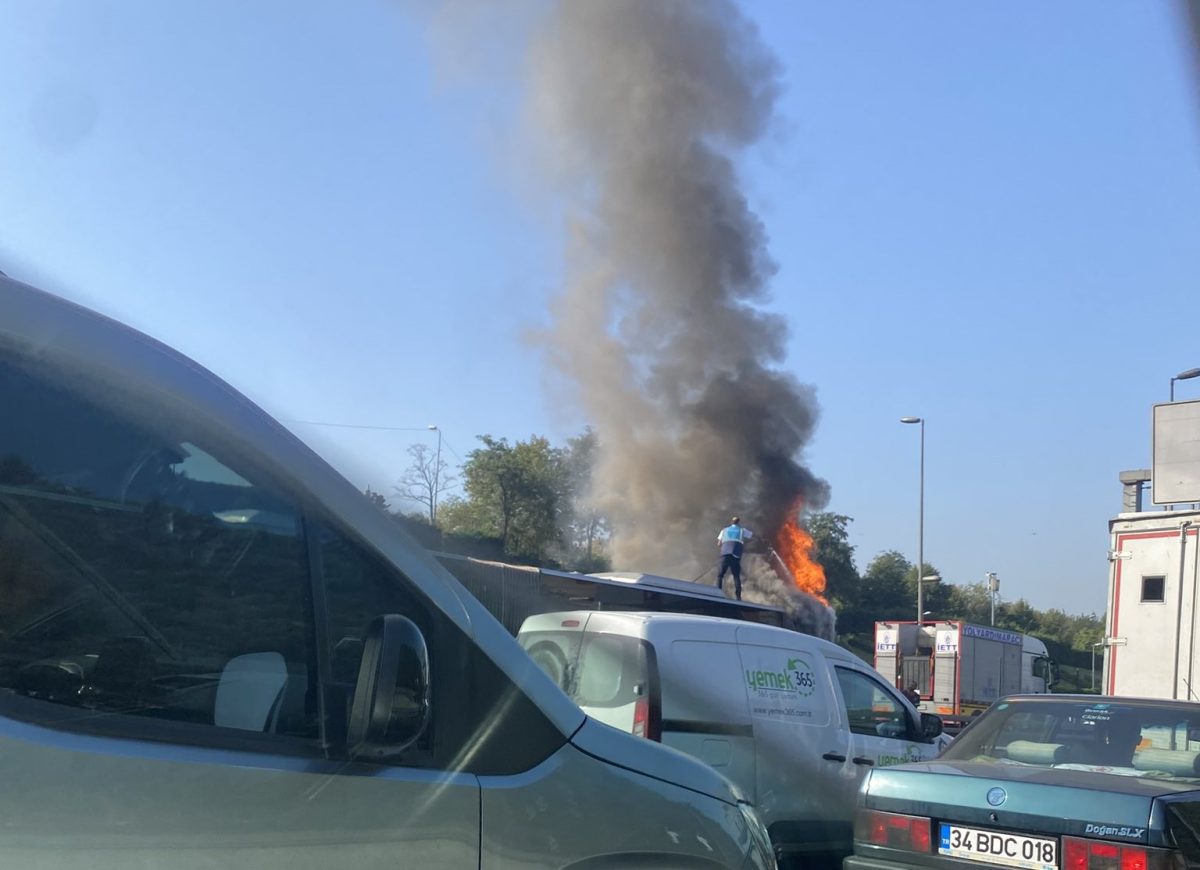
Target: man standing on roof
{"x": 731, "y": 539}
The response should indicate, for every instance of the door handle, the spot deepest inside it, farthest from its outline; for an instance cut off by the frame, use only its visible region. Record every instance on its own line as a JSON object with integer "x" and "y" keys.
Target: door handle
{"x": 859, "y": 759}
{"x": 833, "y": 756}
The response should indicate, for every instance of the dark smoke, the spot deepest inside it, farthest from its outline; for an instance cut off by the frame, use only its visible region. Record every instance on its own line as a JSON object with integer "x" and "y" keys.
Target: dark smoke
{"x": 766, "y": 585}
{"x": 647, "y": 105}
{"x": 640, "y": 109}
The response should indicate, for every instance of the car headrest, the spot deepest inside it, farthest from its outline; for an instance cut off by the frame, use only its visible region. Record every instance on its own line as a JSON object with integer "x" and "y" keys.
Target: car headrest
{"x": 1029, "y": 752}
{"x": 249, "y": 690}
{"x": 1178, "y": 762}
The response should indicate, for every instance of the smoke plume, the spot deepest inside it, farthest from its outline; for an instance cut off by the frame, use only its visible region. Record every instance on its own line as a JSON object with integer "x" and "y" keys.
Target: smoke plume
{"x": 647, "y": 105}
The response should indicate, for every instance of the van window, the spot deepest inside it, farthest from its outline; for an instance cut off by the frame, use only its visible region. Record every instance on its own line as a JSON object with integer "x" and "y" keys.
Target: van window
{"x": 870, "y": 708}
{"x": 555, "y": 652}
{"x": 611, "y": 671}
{"x": 150, "y": 584}
{"x": 596, "y": 670}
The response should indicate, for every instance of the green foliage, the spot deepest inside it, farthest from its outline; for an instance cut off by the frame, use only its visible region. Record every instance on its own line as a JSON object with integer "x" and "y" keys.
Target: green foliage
{"x": 529, "y": 497}
{"x": 886, "y": 592}
{"x": 513, "y": 493}
{"x": 834, "y": 552}
{"x": 584, "y": 528}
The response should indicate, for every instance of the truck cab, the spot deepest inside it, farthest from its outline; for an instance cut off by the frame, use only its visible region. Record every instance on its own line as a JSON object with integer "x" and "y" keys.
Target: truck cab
{"x": 1038, "y": 671}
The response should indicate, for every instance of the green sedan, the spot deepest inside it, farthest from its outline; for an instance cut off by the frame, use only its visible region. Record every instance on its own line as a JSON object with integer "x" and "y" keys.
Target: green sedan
{"x": 1045, "y": 782}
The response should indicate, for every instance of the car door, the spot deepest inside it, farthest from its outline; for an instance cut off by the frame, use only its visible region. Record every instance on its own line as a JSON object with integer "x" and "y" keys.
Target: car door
{"x": 167, "y": 687}
{"x": 882, "y": 728}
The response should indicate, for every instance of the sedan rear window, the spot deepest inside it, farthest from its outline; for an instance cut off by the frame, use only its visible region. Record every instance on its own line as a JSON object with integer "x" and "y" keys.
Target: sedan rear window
{"x": 1127, "y": 739}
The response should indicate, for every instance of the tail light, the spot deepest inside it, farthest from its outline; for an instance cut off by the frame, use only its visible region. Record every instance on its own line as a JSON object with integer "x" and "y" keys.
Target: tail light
{"x": 894, "y": 830}
{"x": 641, "y": 716}
{"x": 643, "y": 722}
{"x": 1081, "y": 854}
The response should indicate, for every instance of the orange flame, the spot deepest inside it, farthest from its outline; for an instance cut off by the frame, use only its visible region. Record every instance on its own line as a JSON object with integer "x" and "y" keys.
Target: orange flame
{"x": 795, "y": 547}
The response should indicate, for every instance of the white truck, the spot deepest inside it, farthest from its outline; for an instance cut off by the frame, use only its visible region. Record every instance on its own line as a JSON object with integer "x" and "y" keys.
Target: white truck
{"x": 959, "y": 668}
{"x": 1150, "y": 643}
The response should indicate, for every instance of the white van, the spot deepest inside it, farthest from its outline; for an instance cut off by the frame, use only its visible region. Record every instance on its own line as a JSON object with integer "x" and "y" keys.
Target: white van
{"x": 794, "y": 720}
{"x": 216, "y": 652}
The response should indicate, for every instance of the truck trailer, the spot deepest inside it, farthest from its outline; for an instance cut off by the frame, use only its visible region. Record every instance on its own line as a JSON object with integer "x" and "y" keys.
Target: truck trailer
{"x": 1150, "y": 646}
{"x": 959, "y": 668}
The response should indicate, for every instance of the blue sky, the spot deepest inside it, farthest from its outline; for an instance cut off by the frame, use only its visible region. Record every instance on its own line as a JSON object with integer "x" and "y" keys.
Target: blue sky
{"x": 983, "y": 214}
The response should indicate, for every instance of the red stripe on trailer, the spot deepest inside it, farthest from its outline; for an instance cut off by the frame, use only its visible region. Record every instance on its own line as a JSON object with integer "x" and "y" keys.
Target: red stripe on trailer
{"x": 958, "y": 671}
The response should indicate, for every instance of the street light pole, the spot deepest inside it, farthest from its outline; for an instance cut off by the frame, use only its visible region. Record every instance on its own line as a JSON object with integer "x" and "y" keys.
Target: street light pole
{"x": 993, "y": 584}
{"x": 437, "y": 472}
{"x": 1183, "y": 376}
{"x": 921, "y": 524}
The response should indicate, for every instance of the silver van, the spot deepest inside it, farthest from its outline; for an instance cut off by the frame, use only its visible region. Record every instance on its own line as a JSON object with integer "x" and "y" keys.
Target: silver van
{"x": 215, "y": 652}
{"x": 794, "y": 720}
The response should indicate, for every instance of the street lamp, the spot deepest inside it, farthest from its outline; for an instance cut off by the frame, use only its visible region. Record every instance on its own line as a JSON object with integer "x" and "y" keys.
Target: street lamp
{"x": 1183, "y": 376}
{"x": 921, "y": 522}
{"x": 993, "y": 585}
{"x": 437, "y": 471}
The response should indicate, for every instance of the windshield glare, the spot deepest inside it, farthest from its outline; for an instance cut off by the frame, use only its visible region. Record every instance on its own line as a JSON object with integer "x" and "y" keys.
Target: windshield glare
{"x": 1125, "y": 739}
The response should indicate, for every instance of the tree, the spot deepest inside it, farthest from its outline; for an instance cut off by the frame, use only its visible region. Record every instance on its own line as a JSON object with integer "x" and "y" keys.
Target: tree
{"x": 378, "y": 500}
{"x": 585, "y": 529}
{"x": 935, "y": 598}
{"x": 1088, "y": 629}
{"x": 835, "y": 554}
{"x": 513, "y": 492}
{"x": 424, "y": 479}
{"x": 1019, "y": 616}
{"x": 971, "y": 602}
{"x": 885, "y": 587}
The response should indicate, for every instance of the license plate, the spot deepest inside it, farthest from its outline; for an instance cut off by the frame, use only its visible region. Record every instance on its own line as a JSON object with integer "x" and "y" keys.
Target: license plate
{"x": 997, "y": 847}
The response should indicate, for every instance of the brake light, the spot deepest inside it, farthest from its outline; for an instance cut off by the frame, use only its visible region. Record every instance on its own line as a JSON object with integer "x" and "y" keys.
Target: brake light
{"x": 570, "y": 623}
{"x": 644, "y": 725}
{"x": 641, "y": 717}
{"x": 1075, "y": 854}
{"x": 918, "y": 832}
{"x": 895, "y": 830}
{"x": 1083, "y": 854}
{"x": 1133, "y": 859}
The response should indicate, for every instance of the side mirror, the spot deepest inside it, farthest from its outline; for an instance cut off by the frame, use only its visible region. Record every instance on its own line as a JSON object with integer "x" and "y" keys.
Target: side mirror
{"x": 391, "y": 698}
{"x": 931, "y": 726}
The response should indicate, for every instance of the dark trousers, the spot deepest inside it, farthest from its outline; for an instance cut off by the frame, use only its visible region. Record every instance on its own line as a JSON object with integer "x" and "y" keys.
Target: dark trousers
{"x": 732, "y": 564}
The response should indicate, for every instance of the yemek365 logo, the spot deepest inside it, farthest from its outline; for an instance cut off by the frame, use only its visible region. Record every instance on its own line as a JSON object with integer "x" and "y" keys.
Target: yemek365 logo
{"x": 796, "y": 679}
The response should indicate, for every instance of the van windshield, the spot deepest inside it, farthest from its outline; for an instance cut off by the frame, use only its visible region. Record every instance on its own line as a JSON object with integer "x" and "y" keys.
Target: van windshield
{"x": 1124, "y": 739}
